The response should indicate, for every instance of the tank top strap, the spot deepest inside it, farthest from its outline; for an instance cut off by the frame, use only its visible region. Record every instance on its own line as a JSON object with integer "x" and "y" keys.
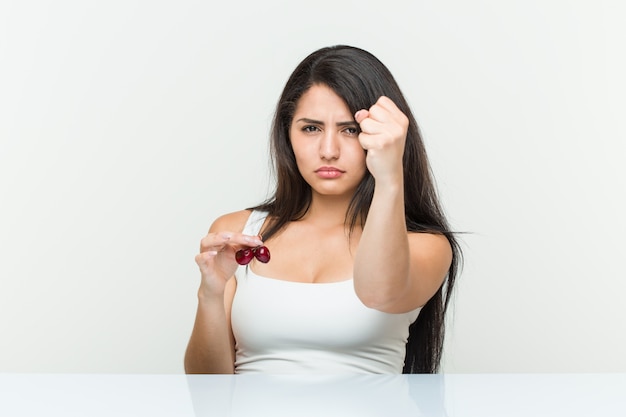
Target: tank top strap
{"x": 254, "y": 222}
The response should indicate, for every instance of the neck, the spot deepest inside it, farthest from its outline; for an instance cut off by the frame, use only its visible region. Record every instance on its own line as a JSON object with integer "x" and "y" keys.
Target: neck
{"x": 327, "y": 211}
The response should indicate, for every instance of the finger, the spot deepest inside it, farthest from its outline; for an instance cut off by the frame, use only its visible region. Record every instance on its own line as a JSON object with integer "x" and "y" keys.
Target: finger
{"x": 371, "y": 126}
{"x": 387, "y": 103}
{"x": 361, "y": 115}
{"x": 216, "y": 241}
{"x": 378, "y": 113}
{"x": 204, "y": 259}
{"x": 219, "y": 241}
{"x": 213, "y": 241}
{"x": 369, "y": 142}
{"x": 243, "y": 240}
{"x": 206, "y": 256}
{"x": 386, "y": 109}
{"x": 385, "y": 112}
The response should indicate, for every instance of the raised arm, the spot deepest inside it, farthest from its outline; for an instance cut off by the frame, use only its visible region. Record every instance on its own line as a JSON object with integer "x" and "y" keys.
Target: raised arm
{"x": 394, "y": 271}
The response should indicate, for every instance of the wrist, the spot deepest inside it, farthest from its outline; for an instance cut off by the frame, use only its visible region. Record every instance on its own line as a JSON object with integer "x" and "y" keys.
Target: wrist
{"x": 389, "y": 185}
{"x": 210, "y": 297}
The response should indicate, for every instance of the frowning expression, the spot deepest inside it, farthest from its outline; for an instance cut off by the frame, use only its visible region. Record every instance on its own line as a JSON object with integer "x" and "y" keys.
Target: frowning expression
{"x": 324, "y": 138}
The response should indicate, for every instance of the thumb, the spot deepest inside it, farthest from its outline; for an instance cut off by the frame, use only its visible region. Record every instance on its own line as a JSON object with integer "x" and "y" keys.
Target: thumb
{"x": 361, "y": 115}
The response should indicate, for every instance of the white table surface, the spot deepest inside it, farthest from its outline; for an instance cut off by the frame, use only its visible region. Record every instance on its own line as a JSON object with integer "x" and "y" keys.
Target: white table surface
{"x": 480, "y": 395}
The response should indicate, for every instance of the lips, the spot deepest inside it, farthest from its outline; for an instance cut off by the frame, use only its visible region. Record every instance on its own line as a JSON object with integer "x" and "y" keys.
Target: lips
{"x": 329, "y": 172}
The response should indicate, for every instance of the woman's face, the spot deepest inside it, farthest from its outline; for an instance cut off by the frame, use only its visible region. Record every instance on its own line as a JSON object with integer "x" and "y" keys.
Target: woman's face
{"x": 324, "y": 137}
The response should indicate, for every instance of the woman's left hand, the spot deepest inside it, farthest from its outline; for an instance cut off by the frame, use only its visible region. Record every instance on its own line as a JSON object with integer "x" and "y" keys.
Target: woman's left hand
{"x": 383, "y": 134}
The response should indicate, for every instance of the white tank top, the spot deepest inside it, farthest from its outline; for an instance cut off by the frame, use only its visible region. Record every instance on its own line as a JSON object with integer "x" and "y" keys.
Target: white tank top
{"x": 292, "y": 327}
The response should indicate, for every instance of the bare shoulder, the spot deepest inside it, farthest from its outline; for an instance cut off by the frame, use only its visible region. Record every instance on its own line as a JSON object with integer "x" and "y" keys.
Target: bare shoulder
{"x": 431, "y": 254}
{"x": 233, "y": 222}
{"x": 437, "y": 241}
{"x": 431, "y": 247}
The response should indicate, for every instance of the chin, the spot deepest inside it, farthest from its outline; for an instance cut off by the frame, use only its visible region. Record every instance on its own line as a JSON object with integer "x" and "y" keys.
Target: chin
{"x": 334, "y": 192}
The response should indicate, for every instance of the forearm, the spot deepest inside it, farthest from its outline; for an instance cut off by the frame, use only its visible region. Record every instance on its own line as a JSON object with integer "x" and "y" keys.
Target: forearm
{"x": 210, "y": 349}
{"x": 381, "y": 270}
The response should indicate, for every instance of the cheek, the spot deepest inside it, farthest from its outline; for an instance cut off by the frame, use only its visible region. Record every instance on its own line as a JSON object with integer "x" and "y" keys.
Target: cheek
{"x": 301, "y": 155}
{"x": 297, "y": 152}
{"x": 302, "y": 148}
{"x": 359, "y": 156}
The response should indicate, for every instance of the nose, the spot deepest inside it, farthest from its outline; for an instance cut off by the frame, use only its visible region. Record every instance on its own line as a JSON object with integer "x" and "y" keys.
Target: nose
{"x": 329, "y": 146}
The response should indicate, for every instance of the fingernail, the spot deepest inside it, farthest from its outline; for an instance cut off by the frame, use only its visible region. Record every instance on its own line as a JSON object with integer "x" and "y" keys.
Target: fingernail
{"x": 212, "y": 252}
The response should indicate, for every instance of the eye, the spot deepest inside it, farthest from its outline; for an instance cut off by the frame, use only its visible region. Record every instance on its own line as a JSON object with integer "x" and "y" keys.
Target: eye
{"x": 310, "y": 129}
{"x": 352, "y": 131}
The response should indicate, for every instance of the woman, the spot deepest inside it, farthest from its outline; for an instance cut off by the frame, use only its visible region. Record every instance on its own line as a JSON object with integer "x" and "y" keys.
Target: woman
{"x": 362, "y": 260}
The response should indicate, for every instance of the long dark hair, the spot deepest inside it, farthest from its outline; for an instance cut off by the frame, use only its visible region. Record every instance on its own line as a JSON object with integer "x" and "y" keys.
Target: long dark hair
{"x": 360, "y": 79}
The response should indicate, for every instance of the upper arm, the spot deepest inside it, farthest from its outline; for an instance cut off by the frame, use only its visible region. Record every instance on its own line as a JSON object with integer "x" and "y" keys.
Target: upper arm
{"x": 229, "y": 296}
{"x": 430, "y": 257}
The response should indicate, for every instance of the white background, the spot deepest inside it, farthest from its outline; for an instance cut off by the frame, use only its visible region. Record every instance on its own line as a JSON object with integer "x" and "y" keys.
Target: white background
{"x": 127, "y": 127}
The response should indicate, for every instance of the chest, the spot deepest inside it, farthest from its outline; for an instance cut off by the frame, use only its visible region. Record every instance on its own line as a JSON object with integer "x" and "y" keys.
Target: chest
{"x": 268, "y": 313}
{"x": 311, "y": 256}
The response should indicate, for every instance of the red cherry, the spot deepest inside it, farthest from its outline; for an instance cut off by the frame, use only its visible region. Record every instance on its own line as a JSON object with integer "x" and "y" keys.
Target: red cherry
{"x": 262, "y": 253}
{"x": 244, "y": 256}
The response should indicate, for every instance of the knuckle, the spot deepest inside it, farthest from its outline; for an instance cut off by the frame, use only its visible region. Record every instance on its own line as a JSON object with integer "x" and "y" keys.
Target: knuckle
{"x": 205, "y": 240}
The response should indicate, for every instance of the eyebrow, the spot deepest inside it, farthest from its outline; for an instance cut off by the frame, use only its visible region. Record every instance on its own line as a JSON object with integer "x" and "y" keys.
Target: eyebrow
{"x": 318, "y": 122}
